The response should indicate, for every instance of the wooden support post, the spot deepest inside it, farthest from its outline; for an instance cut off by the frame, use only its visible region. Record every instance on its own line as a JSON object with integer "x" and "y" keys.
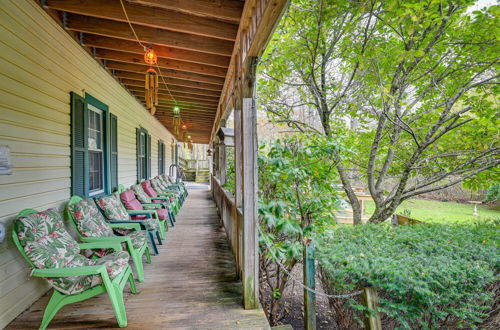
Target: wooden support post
{"x": 309, "y": 271}
{"x": 372, "y": 317}
{"x": 250, "y": 216}
{"x": 250, "y": 220}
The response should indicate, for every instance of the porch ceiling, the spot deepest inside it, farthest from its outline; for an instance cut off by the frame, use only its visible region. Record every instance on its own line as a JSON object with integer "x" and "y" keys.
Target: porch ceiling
{"x": 194, "y": 41}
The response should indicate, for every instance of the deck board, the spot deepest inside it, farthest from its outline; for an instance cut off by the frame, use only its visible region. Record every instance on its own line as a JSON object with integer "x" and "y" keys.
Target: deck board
{"x": 190, "y": 285}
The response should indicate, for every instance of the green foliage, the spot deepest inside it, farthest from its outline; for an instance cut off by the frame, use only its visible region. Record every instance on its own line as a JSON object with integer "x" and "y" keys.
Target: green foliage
{"x": 296, "y": 197}
{"x": 493, "y": 193}
{"x": 429, "y": 276}
{"x": 417, "y": 80}
{"x": 230, "y": 171}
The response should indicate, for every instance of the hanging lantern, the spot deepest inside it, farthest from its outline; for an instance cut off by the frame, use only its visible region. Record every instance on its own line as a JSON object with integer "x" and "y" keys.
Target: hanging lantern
{"x": 190, "y": 143}
{"x": 150, "y": 57}
{"x": 184, "y": 127}
{"x": 177, "y": 119}
{"x": 151, "y": 86}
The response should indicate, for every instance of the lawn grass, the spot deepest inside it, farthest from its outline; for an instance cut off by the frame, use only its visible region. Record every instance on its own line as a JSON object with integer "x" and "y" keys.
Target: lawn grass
{"x": 442, "y": 212}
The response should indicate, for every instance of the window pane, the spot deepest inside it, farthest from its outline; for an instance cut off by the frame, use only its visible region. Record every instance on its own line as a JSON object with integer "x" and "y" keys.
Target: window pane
{"x": 95, "y": 172}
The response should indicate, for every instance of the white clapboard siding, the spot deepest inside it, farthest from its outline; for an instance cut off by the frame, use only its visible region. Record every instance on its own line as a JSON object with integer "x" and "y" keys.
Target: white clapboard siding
{"x": 40, "y": 65}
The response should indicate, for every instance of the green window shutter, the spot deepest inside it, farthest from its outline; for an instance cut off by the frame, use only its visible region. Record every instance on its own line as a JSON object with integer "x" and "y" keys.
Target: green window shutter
{"x": 138, "y": 148}
{"x": 148, "y": 155}
{"x": 161, "y": 155}
{"x": 113, "y": 149}
{"x": 79, "y": 148}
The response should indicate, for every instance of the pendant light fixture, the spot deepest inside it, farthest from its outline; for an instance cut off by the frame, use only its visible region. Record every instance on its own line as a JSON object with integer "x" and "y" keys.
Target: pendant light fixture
{"x": 151, "y": 83}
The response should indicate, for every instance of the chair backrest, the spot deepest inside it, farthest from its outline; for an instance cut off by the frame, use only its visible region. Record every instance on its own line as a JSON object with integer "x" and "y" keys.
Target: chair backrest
{"x": 163, "y": 181}
{"x": 120, "y": 188}
{"x": 112, "y": 207}
{"x": 146, "y": 186}
{"x": 45, "y": 243}
{"x": 130, "y": 201}
{"x": 42, "y": 238}
{"x": 156, "y": 184}
{"x": 141, "y": 195}
{"x": 87, "y": 219}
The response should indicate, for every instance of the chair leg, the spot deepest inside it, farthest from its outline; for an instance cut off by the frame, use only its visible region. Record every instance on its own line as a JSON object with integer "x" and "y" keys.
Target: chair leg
{"x": 171, "y": 218}
{"x": 152, "y": 241}
{"x": 116, "y": 298}
{"x": 131, "y": 282}
{"x": 162, "y": 229}
{"x": 139, "y": 268}
{"x": 148, "y": 255}
{"x": 52, "y": 308}
{"x": 158, "y": 238}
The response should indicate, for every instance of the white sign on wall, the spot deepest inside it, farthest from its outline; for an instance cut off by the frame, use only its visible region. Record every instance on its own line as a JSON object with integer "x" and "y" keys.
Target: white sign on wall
{"x": 5, "y": 162}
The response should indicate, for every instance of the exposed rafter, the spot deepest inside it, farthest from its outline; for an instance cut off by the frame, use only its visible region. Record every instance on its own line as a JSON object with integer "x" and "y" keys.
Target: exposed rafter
{"x": 227, "y": 10}
{"x": 146, "y": 34}
{"x": 97, "y": 41}
{"x": 139, "y": 68}
{"x": 158, "y": 18}
{"x": 162, "y": 62}
{"x": 139, "y": 75}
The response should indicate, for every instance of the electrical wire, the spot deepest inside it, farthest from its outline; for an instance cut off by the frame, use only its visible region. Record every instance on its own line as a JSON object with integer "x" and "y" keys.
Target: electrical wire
{"x": 145, "y": 48}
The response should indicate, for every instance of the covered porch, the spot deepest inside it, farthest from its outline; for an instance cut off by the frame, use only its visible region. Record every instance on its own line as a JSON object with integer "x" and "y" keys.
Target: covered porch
{"x": 75, "y": 120}
{"x": 192, "y": 284}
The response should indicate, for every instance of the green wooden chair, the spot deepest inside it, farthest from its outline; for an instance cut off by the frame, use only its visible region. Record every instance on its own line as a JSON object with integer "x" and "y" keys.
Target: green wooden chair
{"x": 114, "y": 212}
{"x": 181, "y": 186}
{"x": 163, "y": 190}
{"x": 92, "y": 227}
{"x": 54, "y": 255}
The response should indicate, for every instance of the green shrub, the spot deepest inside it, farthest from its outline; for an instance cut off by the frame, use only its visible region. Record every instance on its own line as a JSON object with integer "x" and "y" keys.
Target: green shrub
{"x": 493, "y": 193}
{"x": 428, "y": 276}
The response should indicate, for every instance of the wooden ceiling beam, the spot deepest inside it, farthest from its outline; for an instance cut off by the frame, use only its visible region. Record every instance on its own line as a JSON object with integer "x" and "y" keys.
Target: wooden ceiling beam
{"x": 148, "y": 35}
{"x": 163, "y": 63}
{"x": 139, "y": 86}
{"x": 91, "y": 40}
{"x": 216, "y": 81}
{"x": 209, "y": 88}
{"x": 163, "y": 93}
{"x": 227, "y": 10}
{"x": 172, "y": 88}
{"x": 184, "y": 99}
{"x": 186, "y": 107}
{"x": 168, "y": 104}
{"x": 158, "y": 18}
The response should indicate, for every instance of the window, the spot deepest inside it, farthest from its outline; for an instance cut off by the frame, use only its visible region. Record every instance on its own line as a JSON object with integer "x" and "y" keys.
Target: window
{"x": 143, "y": 154}
{"x": 95, "y": 151}
{"x": 161, "y": 157}
{"x": 94, "y": 156}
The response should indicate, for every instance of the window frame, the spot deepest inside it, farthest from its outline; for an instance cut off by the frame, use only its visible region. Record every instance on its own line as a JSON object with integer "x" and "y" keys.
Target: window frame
{"x": 146, "y": 156}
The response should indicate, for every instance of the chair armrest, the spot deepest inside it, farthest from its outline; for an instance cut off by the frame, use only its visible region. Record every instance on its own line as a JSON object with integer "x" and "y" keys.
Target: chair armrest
{"x": 161, "y": 198}
{"x": 132, "y": 225}
{"x": 141, "y": 212}
{"x": 101, "y": 245}
{"x": 114, "y": 239}
{"x": 141, "y": 222}
{"x": 153, "y": 204}
{"x": 70, "y": 271}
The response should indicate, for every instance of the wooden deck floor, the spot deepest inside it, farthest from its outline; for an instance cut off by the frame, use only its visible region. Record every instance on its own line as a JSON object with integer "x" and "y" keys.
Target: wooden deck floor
{"x": 190, "y": 285}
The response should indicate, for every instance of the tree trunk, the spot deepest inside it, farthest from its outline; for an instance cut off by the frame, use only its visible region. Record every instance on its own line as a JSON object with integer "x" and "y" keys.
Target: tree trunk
{"x": 351, "y": 196}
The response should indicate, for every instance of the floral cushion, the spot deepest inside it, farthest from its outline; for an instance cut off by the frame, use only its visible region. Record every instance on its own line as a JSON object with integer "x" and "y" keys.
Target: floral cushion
{"x": 157, "y": 186}
{"x": 48, "y": 245}
{"x": 89, "y": 220}
{"x": 141, "y": 194}
{"x": 38, "y": 225}
{"x": 113, "y": 209}
{"x": 138, "y": 238}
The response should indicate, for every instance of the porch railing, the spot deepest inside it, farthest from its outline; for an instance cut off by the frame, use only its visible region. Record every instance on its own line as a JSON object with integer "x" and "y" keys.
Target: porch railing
{"x": 232, "y": 220}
